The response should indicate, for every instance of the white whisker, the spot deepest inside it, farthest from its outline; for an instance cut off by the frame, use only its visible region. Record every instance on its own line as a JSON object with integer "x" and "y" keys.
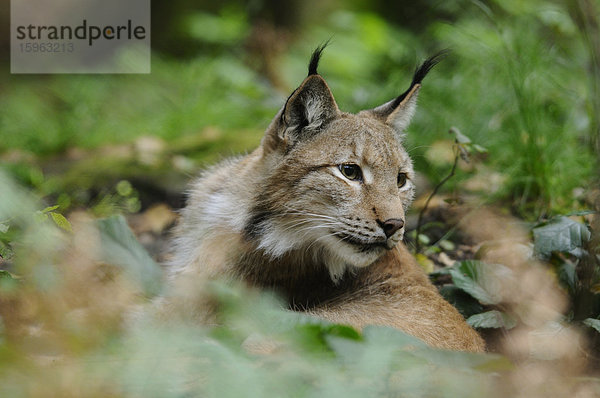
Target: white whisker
{"x": 325, "y": 236}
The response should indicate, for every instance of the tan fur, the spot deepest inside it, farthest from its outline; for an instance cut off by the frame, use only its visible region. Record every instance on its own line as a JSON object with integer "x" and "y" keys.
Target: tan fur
{"x": 397, "y": 293}
{"x": 285, "y": 218}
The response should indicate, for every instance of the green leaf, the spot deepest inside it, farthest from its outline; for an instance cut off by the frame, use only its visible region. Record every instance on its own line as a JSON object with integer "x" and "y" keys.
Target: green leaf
{"x": 348, "y": 351}
{"x": 479, "y": 148}
{"x": 5, "y": 274}
{"x": 447, "y": 245}
{"x": 560, "y": 234}
{"x": 61, "y": 221}
{"x": 580, "y": 213}
{"x": 593, "y": 323}
{"x": 40, "y": 217}
{"x": 464, "y": 303}
{"x": 5, "y": 251}
{"x": 4, "y": 228}
{"x": 482, "y": 281}
{"x": 51, "y": 208}
{"x": 492, "y": 319}
{"x": 567, "y": 275}
{"x": 424, "y": 239}
{"x": 124, "y": 188}
{"x": 382, "y": 347}
{"x": 8, "y": 282}
{"x": 344, "y": 331}
{"x": 120, "y": 247}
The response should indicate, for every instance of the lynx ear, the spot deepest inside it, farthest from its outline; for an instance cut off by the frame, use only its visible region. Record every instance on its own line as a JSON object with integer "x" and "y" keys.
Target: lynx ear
{"x": 399, "y": 111}
{"x": 309, "y": 107}
{"x": 306, "y": 110}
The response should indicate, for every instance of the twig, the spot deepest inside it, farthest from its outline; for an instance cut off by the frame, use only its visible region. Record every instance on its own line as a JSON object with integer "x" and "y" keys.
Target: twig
{"x": 437, "y": 187}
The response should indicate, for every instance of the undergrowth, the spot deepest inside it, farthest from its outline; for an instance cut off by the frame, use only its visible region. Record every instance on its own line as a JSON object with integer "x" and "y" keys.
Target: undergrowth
{"x": 69, "y": 299}
{"x": 517, "y": 83}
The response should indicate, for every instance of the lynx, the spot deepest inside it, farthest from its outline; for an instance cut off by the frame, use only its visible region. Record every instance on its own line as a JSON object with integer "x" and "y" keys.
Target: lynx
{"x": 317, "y": 213}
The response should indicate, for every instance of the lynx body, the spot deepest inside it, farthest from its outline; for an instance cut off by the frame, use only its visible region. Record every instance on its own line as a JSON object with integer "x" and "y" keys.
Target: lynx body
{"x": 316, "y": 213}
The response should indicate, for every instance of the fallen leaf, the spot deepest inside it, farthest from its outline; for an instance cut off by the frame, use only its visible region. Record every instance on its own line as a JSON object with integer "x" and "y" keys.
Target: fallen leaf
{"x": 446, "y": 260}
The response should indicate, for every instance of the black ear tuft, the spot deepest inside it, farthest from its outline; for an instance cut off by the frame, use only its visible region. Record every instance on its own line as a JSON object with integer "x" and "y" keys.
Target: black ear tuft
{"x": 426, "y": 66}
{"x": 421, "y": 72}
{"x": 315, "y": 58}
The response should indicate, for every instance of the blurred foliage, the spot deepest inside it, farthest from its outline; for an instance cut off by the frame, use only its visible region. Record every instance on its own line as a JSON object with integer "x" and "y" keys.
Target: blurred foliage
{"x": 478, "y": 289}
{"x": 46, "y": 116}
{"x": 516, "y": 82}
{"x": 67, "y": 299}
{"x": 574, "y": 252}
{"x": 521, "y": 81}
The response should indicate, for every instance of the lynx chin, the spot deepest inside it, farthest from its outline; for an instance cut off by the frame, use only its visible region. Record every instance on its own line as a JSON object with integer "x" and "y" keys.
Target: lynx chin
{"x": 317, "y": 213}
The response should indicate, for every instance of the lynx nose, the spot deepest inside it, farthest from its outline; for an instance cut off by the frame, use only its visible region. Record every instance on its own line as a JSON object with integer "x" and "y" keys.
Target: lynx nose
{"x": 390, "y": 226}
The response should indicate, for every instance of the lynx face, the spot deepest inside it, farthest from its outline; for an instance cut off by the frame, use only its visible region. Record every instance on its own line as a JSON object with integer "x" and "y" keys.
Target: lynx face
{"x": 337, "y": 185}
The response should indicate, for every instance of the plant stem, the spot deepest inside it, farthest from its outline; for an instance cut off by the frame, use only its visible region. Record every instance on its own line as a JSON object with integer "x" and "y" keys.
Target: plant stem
{"x": 437, "y": 187}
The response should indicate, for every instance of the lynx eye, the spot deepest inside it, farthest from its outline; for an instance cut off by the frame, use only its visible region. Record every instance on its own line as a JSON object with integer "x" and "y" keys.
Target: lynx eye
{"x": 402, "y": 178}
{"x": 351, "y": 172}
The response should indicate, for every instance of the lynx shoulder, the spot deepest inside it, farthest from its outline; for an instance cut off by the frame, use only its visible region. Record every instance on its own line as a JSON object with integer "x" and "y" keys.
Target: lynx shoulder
{"x": 316, "y": 213}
